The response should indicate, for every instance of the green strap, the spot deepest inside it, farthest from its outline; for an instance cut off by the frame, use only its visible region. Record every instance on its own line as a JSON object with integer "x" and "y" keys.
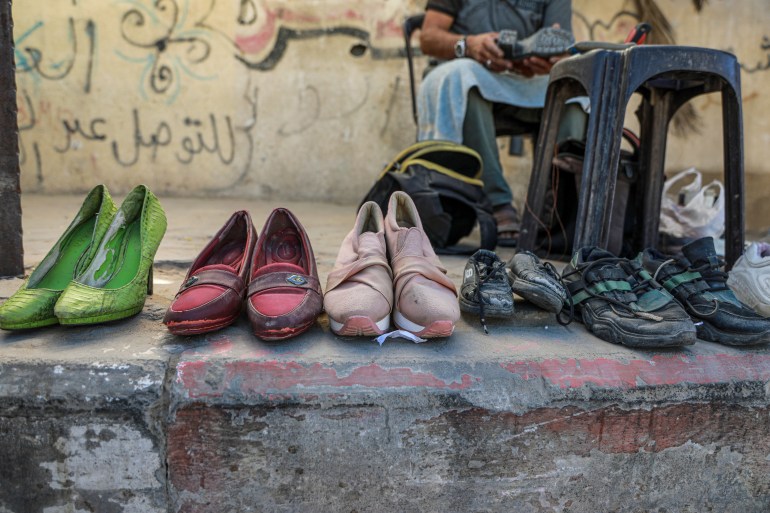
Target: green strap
{"x": 653, "y": 300}
{"x": 645, "y": 275}
{"x": 680, "y": 278}
{"x": 599, "y": 288}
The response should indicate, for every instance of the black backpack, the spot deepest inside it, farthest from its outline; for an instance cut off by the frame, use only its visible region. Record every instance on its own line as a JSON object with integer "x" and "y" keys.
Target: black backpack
{"x": 557, "y": 227}
{"x": 443, "y": 180}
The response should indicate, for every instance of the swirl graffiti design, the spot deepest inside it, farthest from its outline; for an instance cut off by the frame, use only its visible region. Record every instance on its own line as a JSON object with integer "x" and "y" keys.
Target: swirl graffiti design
{"x": 173, "y": 49}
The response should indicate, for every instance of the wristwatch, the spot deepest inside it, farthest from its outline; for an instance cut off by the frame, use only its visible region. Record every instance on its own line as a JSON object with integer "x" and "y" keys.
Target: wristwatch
{"x": 460, "y": 48}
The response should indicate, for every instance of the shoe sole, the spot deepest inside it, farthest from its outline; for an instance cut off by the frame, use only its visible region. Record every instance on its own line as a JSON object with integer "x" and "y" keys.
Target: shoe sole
{"x": 489, "y": 311}
{"x": 615, "y": 335}
{"x": 547, "y": 43}
{"x": 197, "y": 327}
{"x": 283, "y": 333}
{"x": 30, "y": 325}
{"x": 360, "y": 326}
{"x": 538, "y": 295}
{"x": 709, "y": 333}
{"x": 98, "y": 319}
{"x": 437, "y": 329}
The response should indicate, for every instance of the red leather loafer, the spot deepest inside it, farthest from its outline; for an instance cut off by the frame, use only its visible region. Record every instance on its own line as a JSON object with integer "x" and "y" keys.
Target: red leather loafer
{"x": 212, "y": 294}
{"x": 284, "y": 296}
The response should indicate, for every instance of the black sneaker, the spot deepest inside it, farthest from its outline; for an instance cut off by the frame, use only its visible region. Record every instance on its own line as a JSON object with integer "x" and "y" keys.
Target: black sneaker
{"x": 619, "y": 302}
{"x": 699, "y": 284}
{"x": 537, "y": 282}
{"x": 486, "y": 289}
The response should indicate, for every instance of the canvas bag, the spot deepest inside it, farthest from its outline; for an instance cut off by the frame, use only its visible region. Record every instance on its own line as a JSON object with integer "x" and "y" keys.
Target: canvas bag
{"x": 689, "y": 210}
{"x": 444, "y": 181}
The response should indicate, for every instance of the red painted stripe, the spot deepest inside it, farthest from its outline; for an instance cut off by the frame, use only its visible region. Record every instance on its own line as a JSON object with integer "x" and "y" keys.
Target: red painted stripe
{"x": 659, "y": 370}
{"x": 270, "y": 377}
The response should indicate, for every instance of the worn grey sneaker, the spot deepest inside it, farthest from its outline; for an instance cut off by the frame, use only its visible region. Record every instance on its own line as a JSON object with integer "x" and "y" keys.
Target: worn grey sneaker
{"x": 486, "y": 290}
{"x": 619, "y": 302}
{"x": 537, "y": 282}
{"x": 697, "y": 281}
{"x": 546, "y": 42}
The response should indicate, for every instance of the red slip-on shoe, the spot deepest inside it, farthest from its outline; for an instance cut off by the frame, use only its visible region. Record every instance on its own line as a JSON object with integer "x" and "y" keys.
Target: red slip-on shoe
{"x": 212, "y": 294}
{"x": 284, "y": 296}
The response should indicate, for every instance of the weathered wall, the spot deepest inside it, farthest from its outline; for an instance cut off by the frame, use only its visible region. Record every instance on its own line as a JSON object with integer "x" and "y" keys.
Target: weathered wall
{"x": 264, "y": 98}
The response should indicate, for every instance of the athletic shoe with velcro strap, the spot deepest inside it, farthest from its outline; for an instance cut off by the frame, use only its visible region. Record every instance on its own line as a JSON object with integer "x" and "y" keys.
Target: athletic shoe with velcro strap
{"x": 619, "y": 302}
{"x": 698, "y": 283}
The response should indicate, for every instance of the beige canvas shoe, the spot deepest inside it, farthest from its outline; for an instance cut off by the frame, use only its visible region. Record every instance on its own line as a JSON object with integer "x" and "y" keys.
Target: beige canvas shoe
{"x": 425, "y": 299}
{"x": 359, "y": 290}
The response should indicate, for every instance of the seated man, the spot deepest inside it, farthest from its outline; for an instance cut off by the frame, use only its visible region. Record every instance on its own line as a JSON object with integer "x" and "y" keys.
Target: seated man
{"x": 459, "y": 98}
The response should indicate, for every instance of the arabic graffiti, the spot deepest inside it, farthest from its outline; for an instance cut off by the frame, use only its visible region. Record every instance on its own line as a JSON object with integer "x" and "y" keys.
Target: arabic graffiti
{"x": 207, "y": 137}
{"x": 760, "y": 65}
{"x": 213, "y": 136}
{"x": 31, "y": 59}
{"x": 247, "y": 12}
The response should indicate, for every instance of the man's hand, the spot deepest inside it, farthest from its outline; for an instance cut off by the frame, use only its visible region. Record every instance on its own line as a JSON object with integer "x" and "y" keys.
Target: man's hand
{"x": 483, "y": 48}
{"x": 532, "y": 66}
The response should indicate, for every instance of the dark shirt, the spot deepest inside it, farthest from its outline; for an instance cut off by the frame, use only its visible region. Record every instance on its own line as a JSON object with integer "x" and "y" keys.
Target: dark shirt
{"x": 524, "y": 16}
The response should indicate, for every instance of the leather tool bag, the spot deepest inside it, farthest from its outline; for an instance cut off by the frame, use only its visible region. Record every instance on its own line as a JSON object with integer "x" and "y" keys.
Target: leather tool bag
{"x": 443, "y": 180}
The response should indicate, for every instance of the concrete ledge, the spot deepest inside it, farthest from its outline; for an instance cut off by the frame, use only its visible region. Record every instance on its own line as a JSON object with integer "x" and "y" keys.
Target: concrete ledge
{"x": 535, "y": 417}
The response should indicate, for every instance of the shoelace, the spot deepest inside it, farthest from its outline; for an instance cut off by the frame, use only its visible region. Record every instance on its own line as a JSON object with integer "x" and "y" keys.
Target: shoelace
{"x": 497, "y": 267}
{"x": 643, "y": 284}
{"x": 708, "y": 273}
{"x": 551, "y": 270}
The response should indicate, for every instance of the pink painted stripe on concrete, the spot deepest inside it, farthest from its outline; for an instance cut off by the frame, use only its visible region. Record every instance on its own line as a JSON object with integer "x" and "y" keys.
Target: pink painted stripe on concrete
{"x": 267, "y": 377}
{"x": 659, "y": 370}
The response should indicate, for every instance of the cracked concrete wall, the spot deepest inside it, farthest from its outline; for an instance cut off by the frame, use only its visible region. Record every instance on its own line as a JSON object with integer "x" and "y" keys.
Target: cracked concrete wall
{"x": 82, "y": 439}
{"x": 393, "y": 456}
{"x": 200, "y": 430}
{"x": 278, "y": 99}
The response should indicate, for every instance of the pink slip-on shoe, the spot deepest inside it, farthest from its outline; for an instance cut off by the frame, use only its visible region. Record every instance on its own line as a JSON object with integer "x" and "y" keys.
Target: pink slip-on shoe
{"x": 284, "y": 296}
{"x": 425, "y": 298}
{"x": 212, "y": 294}
{"x": 359, "y": 290}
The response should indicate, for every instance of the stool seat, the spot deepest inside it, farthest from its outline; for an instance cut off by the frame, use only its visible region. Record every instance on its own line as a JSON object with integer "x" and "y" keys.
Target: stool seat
{"x": 667, "y": 77}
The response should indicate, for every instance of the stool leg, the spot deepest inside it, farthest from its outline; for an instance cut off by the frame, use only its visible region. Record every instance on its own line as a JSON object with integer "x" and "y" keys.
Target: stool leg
{"x": 732, "y": 130}
{"x": 541, "y": 166}
{"x": 656, "y": 114}
{"x": 605, "y": 128}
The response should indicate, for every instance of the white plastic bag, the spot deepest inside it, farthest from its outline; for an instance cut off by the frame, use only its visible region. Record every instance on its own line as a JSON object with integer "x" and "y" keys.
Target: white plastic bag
{"x": 690, "y": 211}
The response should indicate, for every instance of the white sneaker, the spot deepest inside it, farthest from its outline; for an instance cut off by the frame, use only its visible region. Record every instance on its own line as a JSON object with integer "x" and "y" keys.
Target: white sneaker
{"x": 750, "y": 278}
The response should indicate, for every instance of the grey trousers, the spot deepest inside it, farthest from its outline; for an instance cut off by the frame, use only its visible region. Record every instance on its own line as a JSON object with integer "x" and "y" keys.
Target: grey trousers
{"x": 479, "y": 134}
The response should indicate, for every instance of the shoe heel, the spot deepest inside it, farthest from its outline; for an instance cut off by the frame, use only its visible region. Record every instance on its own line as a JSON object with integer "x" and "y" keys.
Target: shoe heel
{"x": 149, "y": 281}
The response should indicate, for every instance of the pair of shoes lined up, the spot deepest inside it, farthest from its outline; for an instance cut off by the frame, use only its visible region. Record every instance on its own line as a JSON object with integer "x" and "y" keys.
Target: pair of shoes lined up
{"x": 99, "y": 270}
{"x": 274, "y": 274}
{"x": 387, "y": 268}
{"x": 489, "y": 284}
{"x": 661, "y": 301}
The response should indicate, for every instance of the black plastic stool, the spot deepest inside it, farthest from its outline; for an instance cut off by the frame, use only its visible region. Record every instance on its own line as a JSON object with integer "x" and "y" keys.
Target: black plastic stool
{"x": 667, "y": 77}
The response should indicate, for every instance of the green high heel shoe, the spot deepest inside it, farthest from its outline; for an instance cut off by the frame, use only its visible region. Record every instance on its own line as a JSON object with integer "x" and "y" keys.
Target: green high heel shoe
{"x": 32, "y": 306}
{"x": 116, "y": 282}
